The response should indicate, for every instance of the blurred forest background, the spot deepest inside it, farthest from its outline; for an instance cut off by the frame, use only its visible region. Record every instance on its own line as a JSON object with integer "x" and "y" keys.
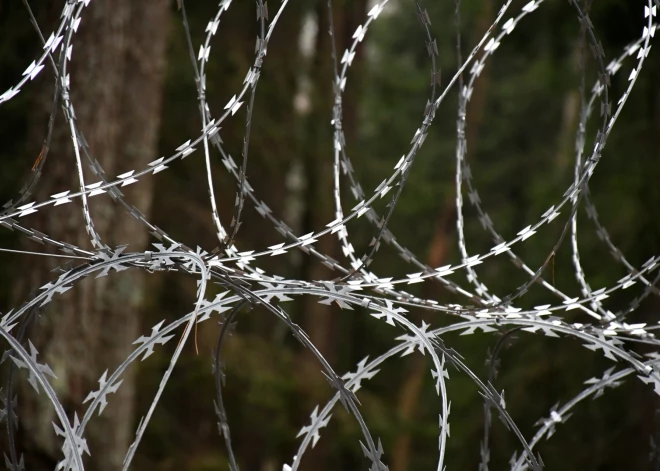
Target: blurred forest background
{"x": 135, "y": 96}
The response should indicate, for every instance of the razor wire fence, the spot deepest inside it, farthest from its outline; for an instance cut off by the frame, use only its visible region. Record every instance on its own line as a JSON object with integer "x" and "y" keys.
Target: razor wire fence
{"x": 600, "y": 330}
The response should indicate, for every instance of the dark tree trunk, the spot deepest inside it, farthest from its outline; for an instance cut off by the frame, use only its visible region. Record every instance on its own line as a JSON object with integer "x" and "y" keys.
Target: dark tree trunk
{"x": 116, "y": 77}
{"x": 317, "y": 155}
{"x": 320, "y": 321}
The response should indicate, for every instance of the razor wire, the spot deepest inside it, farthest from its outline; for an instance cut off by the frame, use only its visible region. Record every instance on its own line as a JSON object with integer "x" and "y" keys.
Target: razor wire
{"x": 382, "y": 297}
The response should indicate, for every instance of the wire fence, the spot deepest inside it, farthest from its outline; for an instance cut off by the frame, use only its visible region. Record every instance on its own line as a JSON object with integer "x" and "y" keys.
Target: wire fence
{"x": 607, "y": 333}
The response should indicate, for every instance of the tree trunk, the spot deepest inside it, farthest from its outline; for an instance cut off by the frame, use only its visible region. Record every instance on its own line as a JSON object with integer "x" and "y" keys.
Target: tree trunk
{"x": 319, "y": 321}
{"x": 411, "y": 387}
{"x": 116, "y": 83}
{"x": 570, "y": 114}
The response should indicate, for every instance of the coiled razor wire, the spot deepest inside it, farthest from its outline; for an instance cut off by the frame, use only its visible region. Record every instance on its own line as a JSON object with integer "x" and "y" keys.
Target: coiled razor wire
{"x": 357, "y": 286}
